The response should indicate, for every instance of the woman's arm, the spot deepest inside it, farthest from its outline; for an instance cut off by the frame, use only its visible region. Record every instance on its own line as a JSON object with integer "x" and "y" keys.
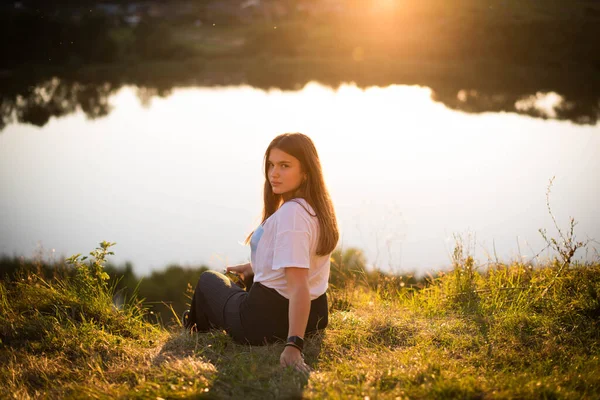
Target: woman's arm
{"x": 299, "y": 309}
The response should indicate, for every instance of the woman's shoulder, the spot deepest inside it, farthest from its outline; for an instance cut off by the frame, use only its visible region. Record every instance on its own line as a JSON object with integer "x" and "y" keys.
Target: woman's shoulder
{"x": 297, "y": 206}
{"x": 294, "y": 214}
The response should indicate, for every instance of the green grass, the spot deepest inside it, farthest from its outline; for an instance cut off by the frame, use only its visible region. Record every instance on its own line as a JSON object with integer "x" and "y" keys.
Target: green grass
{"x": 512, "y": 331}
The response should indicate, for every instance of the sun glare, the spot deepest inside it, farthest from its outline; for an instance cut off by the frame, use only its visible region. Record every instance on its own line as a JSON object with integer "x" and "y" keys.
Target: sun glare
{"x": 386, "y": 4}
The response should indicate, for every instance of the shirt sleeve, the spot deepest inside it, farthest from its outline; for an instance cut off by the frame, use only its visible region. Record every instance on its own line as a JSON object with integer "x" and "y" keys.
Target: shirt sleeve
{"x": 292, "y": 238}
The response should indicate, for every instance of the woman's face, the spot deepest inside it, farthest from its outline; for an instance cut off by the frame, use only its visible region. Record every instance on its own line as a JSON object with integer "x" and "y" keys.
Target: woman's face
{"x": 284, "y": 173}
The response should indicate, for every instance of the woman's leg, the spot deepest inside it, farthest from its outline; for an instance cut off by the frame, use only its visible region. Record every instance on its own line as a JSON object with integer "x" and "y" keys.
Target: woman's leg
{"x": 210, "y": 297}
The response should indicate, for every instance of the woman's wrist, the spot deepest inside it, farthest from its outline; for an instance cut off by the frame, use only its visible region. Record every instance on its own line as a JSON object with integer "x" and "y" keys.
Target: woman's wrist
{"x": 290, "y": 349}
{"x": 295, "y": 341}
{"x": 293, "y": 346}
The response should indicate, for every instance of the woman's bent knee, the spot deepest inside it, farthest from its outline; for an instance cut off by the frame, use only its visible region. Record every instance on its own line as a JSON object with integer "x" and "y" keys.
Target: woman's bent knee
{"x": 207, "y": 279}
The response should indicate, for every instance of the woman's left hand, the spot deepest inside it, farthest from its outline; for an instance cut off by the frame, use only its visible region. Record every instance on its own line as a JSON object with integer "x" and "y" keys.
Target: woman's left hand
{"x": 292, "y": 357}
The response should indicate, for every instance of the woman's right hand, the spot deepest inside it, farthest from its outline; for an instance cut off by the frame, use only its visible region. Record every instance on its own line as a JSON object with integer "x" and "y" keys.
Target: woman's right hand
{"x": 244, "y": 270}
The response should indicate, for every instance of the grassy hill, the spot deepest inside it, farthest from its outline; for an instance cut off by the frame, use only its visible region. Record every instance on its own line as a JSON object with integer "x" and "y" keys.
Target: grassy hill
{"x": 511, "y": 331}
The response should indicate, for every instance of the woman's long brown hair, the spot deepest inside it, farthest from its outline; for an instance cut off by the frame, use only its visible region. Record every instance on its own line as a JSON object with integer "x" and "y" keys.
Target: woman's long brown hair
{"x": 312, "y": 189}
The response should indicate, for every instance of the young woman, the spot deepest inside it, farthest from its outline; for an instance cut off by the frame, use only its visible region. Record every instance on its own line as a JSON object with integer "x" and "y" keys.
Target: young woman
{"x": 290, "y": 252}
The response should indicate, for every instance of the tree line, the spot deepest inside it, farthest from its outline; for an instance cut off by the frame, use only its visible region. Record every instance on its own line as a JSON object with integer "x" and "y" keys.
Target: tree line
{"x": 163, "y": 295}
{"x": 167, "y": 293}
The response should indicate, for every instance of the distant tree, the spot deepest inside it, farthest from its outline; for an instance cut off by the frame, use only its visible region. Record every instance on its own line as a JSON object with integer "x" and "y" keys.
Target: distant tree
{"x": 348, "y": 264}
{"x": 167, "y": 289}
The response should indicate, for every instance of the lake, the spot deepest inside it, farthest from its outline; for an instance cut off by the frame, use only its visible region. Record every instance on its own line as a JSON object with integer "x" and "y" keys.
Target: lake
{"x": 178, "y": 179}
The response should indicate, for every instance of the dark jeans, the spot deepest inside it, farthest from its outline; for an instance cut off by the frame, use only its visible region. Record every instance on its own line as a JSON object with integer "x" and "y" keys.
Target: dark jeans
{"x": 257, "y": 316}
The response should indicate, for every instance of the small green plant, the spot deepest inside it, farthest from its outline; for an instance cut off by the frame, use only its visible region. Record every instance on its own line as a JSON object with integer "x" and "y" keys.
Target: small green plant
{"x": 90, "y": 277}
{"x": 462, "y": 287}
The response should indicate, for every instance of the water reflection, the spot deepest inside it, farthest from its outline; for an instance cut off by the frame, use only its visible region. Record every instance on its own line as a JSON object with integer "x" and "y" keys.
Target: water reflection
{"x": 55, "y": 98}
{"x": 35, "y": 99}
{"x": 547, "y": 105}
{"x": 178, "y": 179}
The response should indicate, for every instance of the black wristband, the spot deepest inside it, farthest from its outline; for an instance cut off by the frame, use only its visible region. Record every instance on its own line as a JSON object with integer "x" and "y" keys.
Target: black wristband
{"x": 296, "y": 341}
{"x": 290, "y": 344}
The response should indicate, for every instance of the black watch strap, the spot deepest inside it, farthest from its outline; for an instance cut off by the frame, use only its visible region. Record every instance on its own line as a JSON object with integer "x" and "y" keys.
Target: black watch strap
{"x": 296, "y": 341}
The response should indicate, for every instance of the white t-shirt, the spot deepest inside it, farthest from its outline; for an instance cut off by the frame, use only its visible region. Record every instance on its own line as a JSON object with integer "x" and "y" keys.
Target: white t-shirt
{"x": 289, "y": 238}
